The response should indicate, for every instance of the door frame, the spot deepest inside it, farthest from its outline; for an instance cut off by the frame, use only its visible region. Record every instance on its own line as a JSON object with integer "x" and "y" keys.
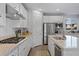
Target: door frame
{"x": 47, "y": 33}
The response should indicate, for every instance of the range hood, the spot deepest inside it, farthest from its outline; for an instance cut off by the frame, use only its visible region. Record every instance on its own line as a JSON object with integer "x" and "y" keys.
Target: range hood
{"x": 13, "y": 14}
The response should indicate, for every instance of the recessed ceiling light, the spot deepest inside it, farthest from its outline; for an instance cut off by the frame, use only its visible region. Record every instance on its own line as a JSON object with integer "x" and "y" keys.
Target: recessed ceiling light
{"x": 57, "y": 9}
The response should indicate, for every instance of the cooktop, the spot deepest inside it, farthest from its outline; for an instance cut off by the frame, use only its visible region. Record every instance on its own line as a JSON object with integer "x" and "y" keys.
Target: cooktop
{"x": 11, "y": 40}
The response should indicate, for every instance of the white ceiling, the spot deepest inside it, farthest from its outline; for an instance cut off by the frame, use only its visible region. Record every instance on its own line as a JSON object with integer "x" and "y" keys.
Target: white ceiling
{"x": 67, "y": 8}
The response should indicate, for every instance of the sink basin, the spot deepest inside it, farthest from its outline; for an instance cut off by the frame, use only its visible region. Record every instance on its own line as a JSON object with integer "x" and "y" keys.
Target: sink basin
{"x": 12, "y": 40}
{"x": 59, "y": 38}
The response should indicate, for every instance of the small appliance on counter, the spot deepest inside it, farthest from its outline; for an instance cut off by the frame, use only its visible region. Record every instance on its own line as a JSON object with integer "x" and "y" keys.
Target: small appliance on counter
{"x": 21, "y": 32}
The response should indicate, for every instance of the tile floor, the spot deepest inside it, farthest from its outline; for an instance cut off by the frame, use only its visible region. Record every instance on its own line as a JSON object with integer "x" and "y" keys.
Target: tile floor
{"x": 39, "y": 51}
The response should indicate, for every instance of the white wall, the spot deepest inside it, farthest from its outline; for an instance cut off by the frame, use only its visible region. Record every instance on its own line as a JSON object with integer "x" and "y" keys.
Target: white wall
{"x": 37, "y": 28}
{"x": 52, "y": 19}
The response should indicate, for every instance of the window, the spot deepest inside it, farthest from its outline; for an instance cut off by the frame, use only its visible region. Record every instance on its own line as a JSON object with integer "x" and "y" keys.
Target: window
{"x": 71, "y": 42}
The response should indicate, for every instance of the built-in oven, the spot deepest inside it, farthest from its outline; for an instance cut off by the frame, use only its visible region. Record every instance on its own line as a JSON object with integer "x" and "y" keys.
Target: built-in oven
{"x": 58, "y": 51}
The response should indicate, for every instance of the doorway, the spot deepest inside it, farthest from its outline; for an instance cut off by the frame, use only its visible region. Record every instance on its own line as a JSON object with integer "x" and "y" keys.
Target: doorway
{"x": 48, "y": 29}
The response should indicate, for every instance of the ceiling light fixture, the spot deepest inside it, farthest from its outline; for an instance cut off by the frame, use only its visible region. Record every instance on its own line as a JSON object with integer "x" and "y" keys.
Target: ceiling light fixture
{"x": 57, "y": 9}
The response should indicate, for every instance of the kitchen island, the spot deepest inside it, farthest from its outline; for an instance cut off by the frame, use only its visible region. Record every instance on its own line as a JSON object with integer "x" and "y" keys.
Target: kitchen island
{"x": 59, "y": 45}
{"x": 21, "y": 48}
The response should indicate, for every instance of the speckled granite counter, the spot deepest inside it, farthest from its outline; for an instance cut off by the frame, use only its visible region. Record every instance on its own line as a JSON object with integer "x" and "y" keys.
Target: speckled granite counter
{"x": 5, "y": 49}
{"x": 68, "y": 42}
{"x": 69, "y": 46}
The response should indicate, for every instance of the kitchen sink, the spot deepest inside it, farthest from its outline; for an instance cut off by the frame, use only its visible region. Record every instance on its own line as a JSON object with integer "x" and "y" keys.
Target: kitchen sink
{"x": 12, "y": 40}
{"x": 59, "y": 38}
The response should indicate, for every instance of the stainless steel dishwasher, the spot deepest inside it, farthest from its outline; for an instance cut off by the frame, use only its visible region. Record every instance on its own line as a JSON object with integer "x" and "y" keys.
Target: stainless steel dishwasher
{"x": 58, "y": 51}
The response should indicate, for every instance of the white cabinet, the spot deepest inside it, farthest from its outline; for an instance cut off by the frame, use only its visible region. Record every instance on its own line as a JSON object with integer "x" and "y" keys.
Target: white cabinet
{"x": 51, "y": 47}
{"x": 2, "y": 14}
{"x": 27, "y": 47}
{"x": 14, "y": 5}
{"x": 22, "y": 22}
{"x": 53, "y": 19}
{"x": 23, "y": 11}
{"x": 24, "y": 48}
{"x": 14, "y": 52}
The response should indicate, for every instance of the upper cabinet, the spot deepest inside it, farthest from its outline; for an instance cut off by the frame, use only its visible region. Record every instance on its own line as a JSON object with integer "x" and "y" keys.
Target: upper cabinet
{"x": 23, "y": 11}
{"x": 16, "y": 11}
{"x": 14, "y": 5}
{"x": 2, "y": 14}
{"x": 13, "y": 11}
{"x": 23, "y": 22}
{"x": 53, "y": 19}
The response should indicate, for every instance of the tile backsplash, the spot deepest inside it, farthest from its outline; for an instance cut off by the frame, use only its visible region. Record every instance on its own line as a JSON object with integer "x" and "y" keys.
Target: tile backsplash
{"x": 7, "y": 30}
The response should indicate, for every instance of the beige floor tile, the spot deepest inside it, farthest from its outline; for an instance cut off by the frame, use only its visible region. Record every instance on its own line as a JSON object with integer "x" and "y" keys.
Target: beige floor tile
{"x": 40, "y": 51}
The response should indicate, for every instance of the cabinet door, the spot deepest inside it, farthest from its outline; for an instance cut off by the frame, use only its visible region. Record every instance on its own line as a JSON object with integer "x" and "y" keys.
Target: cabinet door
{"x": 23, "y": 11}
{"x": 51, "y": 47}
{"x": 14, "y": 52}
{"x": 15, "y": 6}
{"x": 27, "y": 46}
{"x": 2, "y": 14}
{"x": 22, "y": 49}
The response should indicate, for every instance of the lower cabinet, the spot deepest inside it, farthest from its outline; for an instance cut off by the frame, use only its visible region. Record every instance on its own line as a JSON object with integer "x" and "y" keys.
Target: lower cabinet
{"x": 51, "y": 47}
{"x": 28, "y": 47}
{"x": 22, "y": 49}
{"x": 14, "y": 52}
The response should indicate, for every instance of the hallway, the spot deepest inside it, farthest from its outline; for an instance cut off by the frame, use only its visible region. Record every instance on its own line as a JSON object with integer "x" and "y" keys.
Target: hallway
{"x": 40, "y": 51}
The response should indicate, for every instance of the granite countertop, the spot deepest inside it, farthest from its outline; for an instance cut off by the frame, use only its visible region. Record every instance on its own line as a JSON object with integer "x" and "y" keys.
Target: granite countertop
{"x": 68, "y": 42}
{"x": 5, "y": 49}
{"x": 60, "y": 43}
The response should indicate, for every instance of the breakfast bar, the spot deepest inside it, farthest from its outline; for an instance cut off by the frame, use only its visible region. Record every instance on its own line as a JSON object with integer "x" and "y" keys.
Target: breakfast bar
{"x": 66, "y": 46}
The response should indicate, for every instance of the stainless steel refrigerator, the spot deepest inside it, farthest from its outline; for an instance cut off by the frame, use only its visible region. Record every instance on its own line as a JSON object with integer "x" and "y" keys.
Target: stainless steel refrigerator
{"x": 48, "y": 29}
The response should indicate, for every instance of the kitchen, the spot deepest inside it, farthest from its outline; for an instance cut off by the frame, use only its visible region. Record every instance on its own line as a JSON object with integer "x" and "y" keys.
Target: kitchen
{"x": 26, "y": 26}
